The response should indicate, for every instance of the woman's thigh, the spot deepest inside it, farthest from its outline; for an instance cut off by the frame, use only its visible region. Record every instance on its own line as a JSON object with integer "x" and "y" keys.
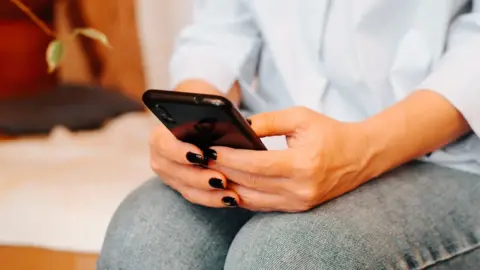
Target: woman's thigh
{"x": 155, "y": 228}
{"x": 417, "y": 216}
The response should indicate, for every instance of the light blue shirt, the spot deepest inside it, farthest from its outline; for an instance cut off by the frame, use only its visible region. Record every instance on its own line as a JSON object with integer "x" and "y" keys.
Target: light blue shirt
{"x": 348, "y": 59}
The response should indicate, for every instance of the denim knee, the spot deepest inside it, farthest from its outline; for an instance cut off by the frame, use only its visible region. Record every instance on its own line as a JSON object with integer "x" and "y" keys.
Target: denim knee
{"x": 289, "y": 241}
{"x": 155, "y": 228}
{"x": 127, "y": 231}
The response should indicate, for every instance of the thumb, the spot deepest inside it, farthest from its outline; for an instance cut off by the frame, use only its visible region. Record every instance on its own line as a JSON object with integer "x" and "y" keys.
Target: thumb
{"x": 283, "y": 122}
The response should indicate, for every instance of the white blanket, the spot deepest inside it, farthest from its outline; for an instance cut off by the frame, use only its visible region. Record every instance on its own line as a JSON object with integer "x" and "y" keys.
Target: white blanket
{"x": 61, "y": 191}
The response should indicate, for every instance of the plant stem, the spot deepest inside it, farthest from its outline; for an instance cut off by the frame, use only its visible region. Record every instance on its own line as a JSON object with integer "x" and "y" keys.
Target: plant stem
{"x": 34, "y": 18}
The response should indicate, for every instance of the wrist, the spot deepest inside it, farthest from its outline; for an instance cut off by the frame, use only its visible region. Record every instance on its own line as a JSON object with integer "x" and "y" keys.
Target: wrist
{"x": 363, "y": 150}
{"x": 203, "y": 87}
{"x": 380, "y": 138}
{"x": 197, "y": 86}
{"x": 413, "y": 127}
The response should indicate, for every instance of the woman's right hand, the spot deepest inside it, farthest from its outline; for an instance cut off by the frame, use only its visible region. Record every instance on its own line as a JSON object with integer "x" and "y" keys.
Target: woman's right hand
{"x": 181, "y": 166}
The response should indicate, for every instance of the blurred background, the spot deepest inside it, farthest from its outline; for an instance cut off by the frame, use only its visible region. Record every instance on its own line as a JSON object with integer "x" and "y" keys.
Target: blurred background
{"x": 74, "y": 142}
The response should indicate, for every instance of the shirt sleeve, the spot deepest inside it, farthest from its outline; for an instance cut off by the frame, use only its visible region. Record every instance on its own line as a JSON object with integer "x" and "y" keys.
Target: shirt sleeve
{"x": 222, "y": 39}
{"x": 457, "y": 77}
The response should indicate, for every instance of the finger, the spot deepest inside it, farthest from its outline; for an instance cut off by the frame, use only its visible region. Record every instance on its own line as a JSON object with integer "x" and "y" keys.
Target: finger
{"x": 260, "y": 201}
{"x": 274, "y": 163}
{"x": 262, "y": 183}
{"x": 164, "y": 143}
{"x": 215, "y": 199}
{"x": 283, "y": 122}
{"x": 193, "y": 176}
{"x": 200, "y": 178}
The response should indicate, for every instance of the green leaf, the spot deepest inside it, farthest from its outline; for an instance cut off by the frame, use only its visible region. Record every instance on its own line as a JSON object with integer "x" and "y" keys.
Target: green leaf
{"x": 93, "y": 34}
{"x": 54, "y": 55}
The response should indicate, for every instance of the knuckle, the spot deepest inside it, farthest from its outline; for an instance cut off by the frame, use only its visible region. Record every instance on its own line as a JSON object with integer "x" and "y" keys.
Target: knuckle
{"x": 302, "y": 110}
{"x": 157, "y": 141}
{"x": 154, "y": 136}
{"x": 188, "y": 178}
{"x": 303, "y": 207}
{"x": 261, "y": 165}
{"x": 305, "y": 166}
{"x": 155, "y": 165}
{"x": 307, "y": 194}
{"x": 251, "y": 180}
{"x": 188, "y": 196}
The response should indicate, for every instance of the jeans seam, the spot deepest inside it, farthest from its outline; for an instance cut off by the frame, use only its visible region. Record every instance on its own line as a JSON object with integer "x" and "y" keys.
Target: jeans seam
{"x": 452, "y": 256}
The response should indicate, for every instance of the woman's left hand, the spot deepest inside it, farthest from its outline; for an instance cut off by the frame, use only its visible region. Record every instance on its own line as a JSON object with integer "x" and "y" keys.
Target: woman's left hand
{"x": 325, "y": 159}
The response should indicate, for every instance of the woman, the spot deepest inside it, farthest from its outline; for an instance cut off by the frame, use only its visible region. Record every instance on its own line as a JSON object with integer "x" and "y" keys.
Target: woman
{"x": 360, "y": 89}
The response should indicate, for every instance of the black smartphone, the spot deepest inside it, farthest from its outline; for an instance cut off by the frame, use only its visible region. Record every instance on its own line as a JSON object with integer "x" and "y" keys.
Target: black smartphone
{"x": 202, "y": 120}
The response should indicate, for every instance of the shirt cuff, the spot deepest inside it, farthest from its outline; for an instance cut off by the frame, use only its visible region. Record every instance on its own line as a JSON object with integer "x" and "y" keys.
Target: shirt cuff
{"x": 457, "y": 78}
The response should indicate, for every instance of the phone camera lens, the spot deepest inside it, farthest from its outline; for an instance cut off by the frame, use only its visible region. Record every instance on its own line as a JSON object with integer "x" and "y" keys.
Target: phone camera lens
{"x": 163, "y": 114}
{"x": 198, "y": 99}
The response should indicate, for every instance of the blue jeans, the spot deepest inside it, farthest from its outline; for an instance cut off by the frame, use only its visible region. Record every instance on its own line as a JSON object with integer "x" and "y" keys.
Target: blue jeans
{"x": 416, "y": 217}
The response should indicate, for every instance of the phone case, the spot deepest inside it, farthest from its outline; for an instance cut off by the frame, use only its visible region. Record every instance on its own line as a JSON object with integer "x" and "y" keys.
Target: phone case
{"x": 203, "y": 120}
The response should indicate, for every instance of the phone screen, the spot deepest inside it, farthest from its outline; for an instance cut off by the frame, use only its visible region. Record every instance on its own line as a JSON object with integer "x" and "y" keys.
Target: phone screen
{"x": 202, "y": 125}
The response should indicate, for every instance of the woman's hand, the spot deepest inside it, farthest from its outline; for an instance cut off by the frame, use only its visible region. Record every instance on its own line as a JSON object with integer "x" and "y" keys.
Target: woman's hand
{"x": 325, "y": 159}
{"x": 182, "y": 166}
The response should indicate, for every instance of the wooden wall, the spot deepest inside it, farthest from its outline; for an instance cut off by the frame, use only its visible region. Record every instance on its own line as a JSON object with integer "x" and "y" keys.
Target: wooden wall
{"x": 121, "y": 66}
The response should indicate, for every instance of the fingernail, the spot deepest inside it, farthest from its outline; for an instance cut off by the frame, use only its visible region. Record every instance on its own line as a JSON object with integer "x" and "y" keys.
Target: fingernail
{"x": 216, "y": 183}
{"x": 210, "y": 154}
{"x": 249, "y": 121}
{"x": 229, "y": 201}
{"x": 194, "y": 158}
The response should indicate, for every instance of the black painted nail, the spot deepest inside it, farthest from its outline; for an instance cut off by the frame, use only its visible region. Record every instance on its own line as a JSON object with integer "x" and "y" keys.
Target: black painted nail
{"x": 229, "y": 201}
{"x": 216, "y": 183}
{"x": 194, "y": 158}
{"x": 249, "y": 121}
{"x": 210, "y": 154}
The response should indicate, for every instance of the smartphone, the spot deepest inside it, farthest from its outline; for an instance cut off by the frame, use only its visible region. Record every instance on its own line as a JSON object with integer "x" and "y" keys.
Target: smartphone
{"x": 202, "y": 120}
